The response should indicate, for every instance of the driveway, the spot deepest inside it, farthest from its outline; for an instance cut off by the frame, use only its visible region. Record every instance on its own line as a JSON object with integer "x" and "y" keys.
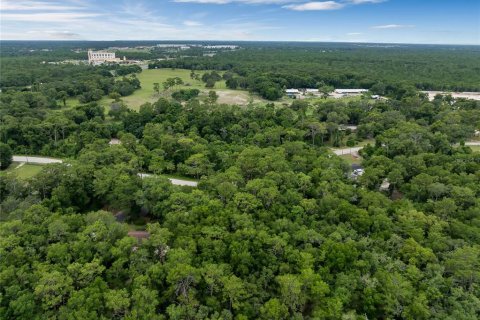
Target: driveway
{"x": 177, "y": 182}
{"x": 46, "y": 160}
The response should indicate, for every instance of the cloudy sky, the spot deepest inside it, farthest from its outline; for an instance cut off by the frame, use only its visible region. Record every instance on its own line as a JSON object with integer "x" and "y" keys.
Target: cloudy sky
{"x": 400, "y": 21}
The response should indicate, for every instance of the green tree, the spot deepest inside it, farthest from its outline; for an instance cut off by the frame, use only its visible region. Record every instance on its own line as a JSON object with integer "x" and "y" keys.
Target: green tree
{"x": 53, "y": 289}
{"x": 62, "y": 96}
{"x": 5, "y": 156}
{"x": 156, "y": 87}
{"x": 212, "y": 97}
{"x": 196, "y": 165}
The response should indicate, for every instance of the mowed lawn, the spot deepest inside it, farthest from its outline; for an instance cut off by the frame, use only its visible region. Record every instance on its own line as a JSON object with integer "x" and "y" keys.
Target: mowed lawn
{"x": 475, "y": 148}
{"x": 150, "y": 76}
{"x": 351, "y": 159}
{"x": 26, "y": 171}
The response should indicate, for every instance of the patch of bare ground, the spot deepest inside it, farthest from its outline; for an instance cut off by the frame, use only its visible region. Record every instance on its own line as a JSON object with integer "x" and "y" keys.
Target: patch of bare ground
{"x": 396, "y": 195}
{"x": 455, "y": 95}
{"x": 139, "y": 234}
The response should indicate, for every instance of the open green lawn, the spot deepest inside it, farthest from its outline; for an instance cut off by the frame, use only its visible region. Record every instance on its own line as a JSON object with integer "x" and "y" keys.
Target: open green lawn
{"x": 351, "y": 159}
{"x": 26, "y": 171}
{"x": 150, "y": 76}
{"x": 475, "y": 148}
{"x": 70, "y": 103}
{"x": 365, "y": 142}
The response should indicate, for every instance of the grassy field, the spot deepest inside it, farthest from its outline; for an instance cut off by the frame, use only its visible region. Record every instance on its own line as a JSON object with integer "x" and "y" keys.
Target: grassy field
{"x": 150, "y": 76}
{"x": 475, "y": 148}
{"x": 26, "y": 171}
{"x": 351, "y": 159}
{"x": 365, "y": 142}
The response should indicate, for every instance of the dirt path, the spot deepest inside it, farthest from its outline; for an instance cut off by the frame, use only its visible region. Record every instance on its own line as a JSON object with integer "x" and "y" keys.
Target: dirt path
{"x": 20, "y": 165}
{"x": 139, "y": 234}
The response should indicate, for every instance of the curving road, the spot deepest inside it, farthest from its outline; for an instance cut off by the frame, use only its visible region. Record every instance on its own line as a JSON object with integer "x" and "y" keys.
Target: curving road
{"x": 472, "y": 143}
{"x": 36, "y": 160}
{"x": 342, "y": 151}
{"x": 180, "y": 182}
{"x": 177, "y": 182}
{"x": 47, "y": 160}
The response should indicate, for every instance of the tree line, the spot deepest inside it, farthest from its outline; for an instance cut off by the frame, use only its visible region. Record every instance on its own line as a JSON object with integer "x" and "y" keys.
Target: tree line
{"x": 277, "y": 228}
{"x": 267, "y": 70}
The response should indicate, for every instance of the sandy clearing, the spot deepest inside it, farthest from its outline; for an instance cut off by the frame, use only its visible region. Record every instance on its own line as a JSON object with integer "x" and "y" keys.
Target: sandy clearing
{"x": 228, "y": 97}
{"x": 139, "y": 234}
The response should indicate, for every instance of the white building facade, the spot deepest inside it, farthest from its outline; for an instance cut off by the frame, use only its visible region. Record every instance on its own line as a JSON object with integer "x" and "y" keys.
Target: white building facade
{"x": 99, "y": 57}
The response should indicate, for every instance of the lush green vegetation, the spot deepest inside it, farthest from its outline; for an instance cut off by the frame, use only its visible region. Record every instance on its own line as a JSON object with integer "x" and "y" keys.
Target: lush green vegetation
{"x": 24, "y": 171}
{"x": 277, "y": 228}
{"x": 385, "y": 70}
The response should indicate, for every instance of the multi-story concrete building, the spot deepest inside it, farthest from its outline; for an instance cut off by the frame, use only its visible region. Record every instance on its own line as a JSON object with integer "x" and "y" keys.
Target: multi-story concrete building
{"x": 99, "y": 57}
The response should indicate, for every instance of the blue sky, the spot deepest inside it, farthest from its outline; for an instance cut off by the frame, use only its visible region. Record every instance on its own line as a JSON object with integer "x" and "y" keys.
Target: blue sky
{"x": 392, "y": 21}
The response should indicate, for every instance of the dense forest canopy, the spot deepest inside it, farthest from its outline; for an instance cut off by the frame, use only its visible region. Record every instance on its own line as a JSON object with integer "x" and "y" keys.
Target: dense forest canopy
{"x": 278, "y": 226}
{"x": 382, "y": 68}
{"x": 268, "y": 68}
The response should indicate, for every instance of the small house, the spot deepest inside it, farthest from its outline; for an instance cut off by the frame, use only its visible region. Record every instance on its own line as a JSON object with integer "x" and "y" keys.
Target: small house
{"x": 350, "y": 92}
{"x": 291, "y": 93}
{"x": 312, "y": 91}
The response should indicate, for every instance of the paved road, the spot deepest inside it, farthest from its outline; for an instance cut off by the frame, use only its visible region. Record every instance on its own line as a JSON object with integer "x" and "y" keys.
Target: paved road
{"x": 177, "y": 182}
{"x": 46, "y": 160}
{"x": 342, "y": 151}
{"x": 339, "y": 152}
{"x": 36, "y": 160}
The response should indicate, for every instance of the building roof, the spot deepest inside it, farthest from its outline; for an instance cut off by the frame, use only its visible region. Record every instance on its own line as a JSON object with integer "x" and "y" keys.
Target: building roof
{"x": 114, "y": 141}
{"x": 292, "y": 91}
{"x": 356, "y": 166}
{"x": 350, "y": 90}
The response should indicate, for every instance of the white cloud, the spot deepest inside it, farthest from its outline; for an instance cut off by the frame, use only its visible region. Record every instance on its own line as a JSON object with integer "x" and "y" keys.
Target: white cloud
{"x": 190, "y": 23}
{"x": 8, "y": 5}
{"x": 55, "y": 34}
{"x": 204, "y": 1}
{"x": 319, "y": 4}
{"x": 354, "y": 33}
{"x": 315, "y": 6}
{"x": 393, "y": 26}
{"x": 366, "y": 1}
{"x": 50, "y": 17}
{"x": 236, "y": 1}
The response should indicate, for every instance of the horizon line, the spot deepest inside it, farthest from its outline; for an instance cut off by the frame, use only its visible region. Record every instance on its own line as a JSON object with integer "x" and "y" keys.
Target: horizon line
{"x": 220, "y": 40}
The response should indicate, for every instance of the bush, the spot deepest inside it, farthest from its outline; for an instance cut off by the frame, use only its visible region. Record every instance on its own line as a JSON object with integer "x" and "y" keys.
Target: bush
{"x": 185, "y": 94}
{"x": 5, "y": 156}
